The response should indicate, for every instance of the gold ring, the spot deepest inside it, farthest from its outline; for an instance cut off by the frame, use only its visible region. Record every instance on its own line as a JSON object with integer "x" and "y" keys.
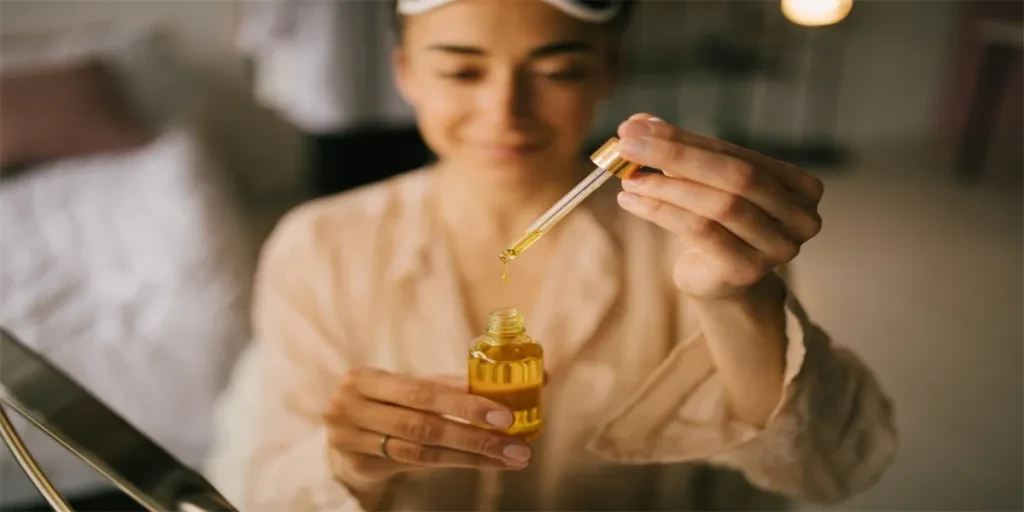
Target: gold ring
{"x": 384, "y": 446}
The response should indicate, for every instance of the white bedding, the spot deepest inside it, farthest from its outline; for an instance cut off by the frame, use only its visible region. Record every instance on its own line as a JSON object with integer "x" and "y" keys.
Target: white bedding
{"x": 131, "y": 272}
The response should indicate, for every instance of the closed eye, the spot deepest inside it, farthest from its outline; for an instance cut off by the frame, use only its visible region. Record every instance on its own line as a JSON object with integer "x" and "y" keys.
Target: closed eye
{"x": 568, "y": 75}
{"x": 462, "y": 75}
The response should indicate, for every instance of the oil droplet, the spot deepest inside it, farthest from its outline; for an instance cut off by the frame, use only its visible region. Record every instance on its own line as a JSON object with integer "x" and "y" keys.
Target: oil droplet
{"x": 505, "y": 257}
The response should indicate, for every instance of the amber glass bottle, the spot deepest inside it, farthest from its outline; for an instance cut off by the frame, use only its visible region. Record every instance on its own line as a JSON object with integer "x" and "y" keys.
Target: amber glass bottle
{"x": 507, "y": 366}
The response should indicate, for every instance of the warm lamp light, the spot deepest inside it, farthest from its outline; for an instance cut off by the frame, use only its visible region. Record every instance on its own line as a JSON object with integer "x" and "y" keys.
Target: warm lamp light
{"x": 816, "y": 13}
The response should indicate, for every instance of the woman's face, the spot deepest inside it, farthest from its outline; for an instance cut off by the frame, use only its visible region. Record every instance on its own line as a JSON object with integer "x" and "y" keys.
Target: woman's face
{"x": 505, "y": 86}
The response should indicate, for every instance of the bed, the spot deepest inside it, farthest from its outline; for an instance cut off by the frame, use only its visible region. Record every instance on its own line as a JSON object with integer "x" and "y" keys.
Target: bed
{"x": 123, "y": 256}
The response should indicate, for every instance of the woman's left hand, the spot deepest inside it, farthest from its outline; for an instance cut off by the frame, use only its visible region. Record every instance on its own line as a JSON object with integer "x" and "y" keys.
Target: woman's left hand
{"x": 740, "y": 214}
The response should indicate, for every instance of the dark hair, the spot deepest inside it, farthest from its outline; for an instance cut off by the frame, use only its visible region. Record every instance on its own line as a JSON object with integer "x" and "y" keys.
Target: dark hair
{"x": 617, "y": 24}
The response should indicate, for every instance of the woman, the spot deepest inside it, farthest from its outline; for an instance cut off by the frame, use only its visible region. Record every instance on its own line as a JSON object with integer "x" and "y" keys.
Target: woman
{"x": 670, "y": 343}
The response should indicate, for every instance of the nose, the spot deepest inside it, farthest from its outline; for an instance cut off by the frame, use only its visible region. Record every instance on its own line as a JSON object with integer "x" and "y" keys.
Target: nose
{"x": 507, "y": 99}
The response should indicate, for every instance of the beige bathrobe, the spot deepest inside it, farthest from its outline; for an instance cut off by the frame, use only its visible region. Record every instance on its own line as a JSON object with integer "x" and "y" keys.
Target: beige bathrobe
{"x": 634, "y": 410}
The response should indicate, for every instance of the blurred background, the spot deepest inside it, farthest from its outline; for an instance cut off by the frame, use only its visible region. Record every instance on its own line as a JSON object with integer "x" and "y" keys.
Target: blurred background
{"x": 148, "y": 147}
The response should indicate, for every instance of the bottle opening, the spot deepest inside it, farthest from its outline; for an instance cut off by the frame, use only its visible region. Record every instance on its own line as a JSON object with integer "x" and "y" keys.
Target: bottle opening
{"x": 505, "y": 322}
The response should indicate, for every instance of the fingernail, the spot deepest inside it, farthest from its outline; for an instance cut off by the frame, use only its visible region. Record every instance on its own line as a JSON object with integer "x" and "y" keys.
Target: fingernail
{"x": 501, "y": 419}
{"x": 517, "y": 452}
{"x": 637, "y": 128}
{"x": 628, "y": 200}
{"x": 655, "y": 120}
{"x": 631, "y": 183}
{"x": 634, "y": 146}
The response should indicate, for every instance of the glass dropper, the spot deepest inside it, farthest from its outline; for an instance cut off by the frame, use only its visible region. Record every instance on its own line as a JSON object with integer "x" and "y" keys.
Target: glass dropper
{"x": 609, "y": 163}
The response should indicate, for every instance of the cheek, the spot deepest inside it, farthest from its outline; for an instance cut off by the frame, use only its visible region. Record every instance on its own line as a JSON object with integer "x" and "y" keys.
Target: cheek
{"x": 570, "y": 112}
{"x": 440, "y": 114}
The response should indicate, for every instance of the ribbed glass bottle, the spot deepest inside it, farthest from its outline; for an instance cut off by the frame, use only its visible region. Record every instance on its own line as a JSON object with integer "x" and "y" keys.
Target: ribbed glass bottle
{"x": 507, "y": 366}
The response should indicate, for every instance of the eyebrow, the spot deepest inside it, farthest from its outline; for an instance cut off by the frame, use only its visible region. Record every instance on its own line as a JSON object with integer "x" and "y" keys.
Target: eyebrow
{"x": 541, "y": 51}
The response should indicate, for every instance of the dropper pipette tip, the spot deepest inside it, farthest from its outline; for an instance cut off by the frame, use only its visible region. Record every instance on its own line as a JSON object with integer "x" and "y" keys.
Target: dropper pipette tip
{"x": 609, "y": 163}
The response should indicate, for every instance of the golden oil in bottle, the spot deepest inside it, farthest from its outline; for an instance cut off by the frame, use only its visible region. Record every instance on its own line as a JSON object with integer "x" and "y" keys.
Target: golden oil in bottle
{"x": 507, "y": 366}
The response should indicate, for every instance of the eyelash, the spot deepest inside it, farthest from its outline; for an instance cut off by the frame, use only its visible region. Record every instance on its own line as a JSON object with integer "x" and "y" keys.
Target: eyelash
{"x": 462, "y": 76}
{"x": 568, "y": 75}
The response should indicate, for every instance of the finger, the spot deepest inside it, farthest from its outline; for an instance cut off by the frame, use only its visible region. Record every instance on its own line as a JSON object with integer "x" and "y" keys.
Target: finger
{"x": 734, "y": 176}
{"x": 807, "y": 188}
{"x": 353, "y": 448}
{"x": 791, "y": 176}
{"x": 457, "y": 382}
{"x": 733, "y": 212}
{"x": 704, "y": 233}
{"x": 426, "y": 395}
{"x": 643, "y": 116}
{"x": 405, "y": 455}
{"x": 432, "y": 430}
{"x": 462, "y": 383}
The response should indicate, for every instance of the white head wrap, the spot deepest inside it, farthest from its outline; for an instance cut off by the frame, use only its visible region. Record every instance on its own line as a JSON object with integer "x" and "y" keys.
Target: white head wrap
{"x": 593, "y": 12}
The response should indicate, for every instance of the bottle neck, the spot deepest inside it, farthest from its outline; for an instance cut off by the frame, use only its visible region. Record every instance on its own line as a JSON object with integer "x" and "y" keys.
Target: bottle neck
{"x": 505, "y": 324}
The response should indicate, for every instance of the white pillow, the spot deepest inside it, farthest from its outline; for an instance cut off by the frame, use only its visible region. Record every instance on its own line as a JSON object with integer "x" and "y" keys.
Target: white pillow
{"x": 131, "y": 272}
{"x": 155, "y": 79}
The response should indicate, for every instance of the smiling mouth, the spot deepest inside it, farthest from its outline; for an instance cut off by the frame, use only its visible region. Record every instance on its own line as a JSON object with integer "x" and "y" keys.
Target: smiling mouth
{"x": 512, "y": 149}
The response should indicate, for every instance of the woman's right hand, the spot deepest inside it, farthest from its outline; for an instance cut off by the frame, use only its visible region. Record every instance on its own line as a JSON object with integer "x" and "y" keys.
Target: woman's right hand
{"x": 370, "y": 404}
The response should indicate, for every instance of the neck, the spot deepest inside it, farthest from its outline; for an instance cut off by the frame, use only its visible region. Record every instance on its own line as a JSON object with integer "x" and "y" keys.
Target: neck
{"x": 476, "y": 203}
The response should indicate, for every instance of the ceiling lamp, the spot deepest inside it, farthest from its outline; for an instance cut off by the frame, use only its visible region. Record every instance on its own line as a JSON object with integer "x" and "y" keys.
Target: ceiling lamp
{"x": 816, "y": 13}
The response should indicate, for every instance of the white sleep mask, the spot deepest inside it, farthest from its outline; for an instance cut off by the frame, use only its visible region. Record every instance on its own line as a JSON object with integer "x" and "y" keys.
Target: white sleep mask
{"x": 592, "y": 11}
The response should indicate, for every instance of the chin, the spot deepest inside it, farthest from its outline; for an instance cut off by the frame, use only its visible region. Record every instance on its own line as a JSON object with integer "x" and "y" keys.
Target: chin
{"x": 501, "y": 156}
{"x": 508, "y": 161}
{"x": 514, "y": 169}
{"x": 507, "y": 173}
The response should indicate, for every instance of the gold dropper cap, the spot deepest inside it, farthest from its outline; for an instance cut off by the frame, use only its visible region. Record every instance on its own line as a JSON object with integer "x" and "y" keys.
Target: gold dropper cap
{"x": 609, "y": 158}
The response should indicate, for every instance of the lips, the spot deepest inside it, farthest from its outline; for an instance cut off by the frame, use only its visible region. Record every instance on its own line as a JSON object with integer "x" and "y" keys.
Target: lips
{"x": 511, "y": 147}
{"x": 509, "y": 152}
